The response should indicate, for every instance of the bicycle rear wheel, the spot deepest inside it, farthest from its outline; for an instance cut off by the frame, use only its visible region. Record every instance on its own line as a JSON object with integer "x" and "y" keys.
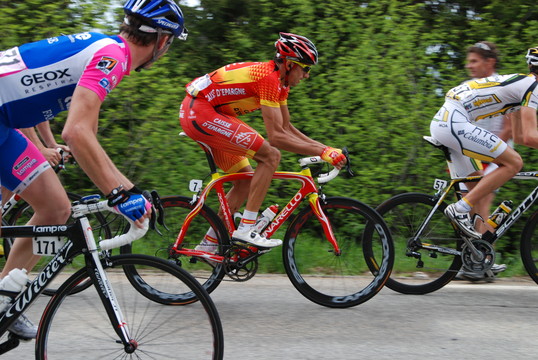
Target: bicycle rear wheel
{"x": 339, "y": 280}
{"x": 404, "y": 214}
{"x": 176, "y": 210}
{"x": 99, "y": 225}
{"x": 78, "y": 327}
{"x": 529, "y": 247}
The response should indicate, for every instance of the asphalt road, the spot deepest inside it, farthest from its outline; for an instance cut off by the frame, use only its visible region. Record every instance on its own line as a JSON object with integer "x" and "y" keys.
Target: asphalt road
{"x": 266, "y": 318}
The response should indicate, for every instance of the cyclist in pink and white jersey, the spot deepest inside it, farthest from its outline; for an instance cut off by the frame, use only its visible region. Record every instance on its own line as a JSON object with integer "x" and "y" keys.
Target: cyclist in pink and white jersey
{"x": 74, "y": 73}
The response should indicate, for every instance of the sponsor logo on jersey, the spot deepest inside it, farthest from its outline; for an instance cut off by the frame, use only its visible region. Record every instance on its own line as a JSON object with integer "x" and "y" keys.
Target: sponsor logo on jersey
{"x": 482, "y": 137}
{"x": 48, "y": 76}
{"x": 244, "y": 137}
{"x": 21, "y": 163}
{"x": 24, "y": 165}
{"x": 216, "y": 127}
{"x": 481, "y": 102}
{"x": 106, "y": 64}
{"x": 105, "y": 84}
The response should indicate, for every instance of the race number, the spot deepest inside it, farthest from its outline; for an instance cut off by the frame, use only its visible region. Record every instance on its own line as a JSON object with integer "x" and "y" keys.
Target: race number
{"x": 439, "y": 184}
{"x": 11, "y": 61}
{"x": 47, "y": 245}
{"x": 195, "y": 185}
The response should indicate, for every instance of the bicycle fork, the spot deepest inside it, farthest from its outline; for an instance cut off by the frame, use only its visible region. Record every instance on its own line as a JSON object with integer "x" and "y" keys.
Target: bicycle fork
{"x": 314, "y": 200}
{"x": 105, "y": 291}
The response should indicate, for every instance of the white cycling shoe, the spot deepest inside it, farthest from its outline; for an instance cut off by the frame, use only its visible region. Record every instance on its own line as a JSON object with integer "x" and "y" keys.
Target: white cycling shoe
{"x": 462, "y": 220}
{"x": 253, "y": 238}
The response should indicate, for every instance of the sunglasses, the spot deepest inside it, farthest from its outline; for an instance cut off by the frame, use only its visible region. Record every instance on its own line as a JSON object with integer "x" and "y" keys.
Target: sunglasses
{"x": 482, "y": 46}
{"x": 306, "y": 68}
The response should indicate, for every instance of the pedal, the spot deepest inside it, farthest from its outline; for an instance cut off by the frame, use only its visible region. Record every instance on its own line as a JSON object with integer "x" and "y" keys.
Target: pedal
{"x": 193, "y": 260}
{"x": 413, "y": 254}
{"x": 245, "y": 245}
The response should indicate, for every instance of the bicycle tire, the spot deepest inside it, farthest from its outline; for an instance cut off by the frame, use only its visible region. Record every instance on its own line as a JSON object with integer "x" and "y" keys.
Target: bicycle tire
{"x": 176, "y": 209}
{"x": 529, "y": 247}
{"x": 404, "y": 214}
{"x": 24, "y": 212}
{"x": 162, "y": 332}
{"x": 329, "y": 279}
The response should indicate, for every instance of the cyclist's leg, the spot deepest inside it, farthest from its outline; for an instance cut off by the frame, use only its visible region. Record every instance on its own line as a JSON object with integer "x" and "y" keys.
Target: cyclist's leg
{"x": 452, "y": 128}
{"x": 509, "y": 162}
{"x": 26, "y": 171}
{"x": 268, "y": 158}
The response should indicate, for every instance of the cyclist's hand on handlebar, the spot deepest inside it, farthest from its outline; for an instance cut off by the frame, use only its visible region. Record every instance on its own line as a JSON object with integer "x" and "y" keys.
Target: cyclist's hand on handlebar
{"x": 130, "y": 204}
{"x": 52, "y": 156}
{"x": 136, "y": 208}
{"x": 334, "y": 157}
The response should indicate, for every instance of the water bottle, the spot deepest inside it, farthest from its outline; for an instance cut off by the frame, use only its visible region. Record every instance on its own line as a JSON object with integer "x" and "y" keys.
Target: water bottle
{"x": 500, "y": 214}
{"x": 267, "y": 216}
{"x": 13, "y": 282}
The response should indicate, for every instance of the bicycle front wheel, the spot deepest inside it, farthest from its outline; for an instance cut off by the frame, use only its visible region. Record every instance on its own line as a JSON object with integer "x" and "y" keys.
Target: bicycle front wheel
{"x": 78, "y": 327}
{"x": 338, "y": 280}
{"x": 404, "y": 215}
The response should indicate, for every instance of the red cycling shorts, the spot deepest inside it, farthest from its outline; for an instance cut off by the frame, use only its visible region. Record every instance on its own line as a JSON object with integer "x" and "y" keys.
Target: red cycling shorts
{"x": 232, "y": 141}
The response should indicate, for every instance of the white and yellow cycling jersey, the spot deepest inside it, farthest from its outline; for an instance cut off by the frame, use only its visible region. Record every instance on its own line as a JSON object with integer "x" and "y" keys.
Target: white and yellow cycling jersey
{"x": 457, "y": 123}
{"x": 496, "y": 95}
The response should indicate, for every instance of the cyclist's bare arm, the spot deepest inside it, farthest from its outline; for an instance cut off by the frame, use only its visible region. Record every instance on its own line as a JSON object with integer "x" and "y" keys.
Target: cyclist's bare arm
{"x": 524, "y": 129}
{"x": 283, "y": 135}
{"x": 80, "y": 135}
{"x": 48, "y": 138}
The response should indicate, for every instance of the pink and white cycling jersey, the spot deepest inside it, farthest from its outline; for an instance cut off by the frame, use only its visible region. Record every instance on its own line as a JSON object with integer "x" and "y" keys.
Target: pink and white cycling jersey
{"x": 37, "y": 80}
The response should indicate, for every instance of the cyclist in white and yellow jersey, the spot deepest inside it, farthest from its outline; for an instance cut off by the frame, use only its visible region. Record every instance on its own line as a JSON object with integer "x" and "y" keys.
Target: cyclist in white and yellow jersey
{"x": 454, "y": 126}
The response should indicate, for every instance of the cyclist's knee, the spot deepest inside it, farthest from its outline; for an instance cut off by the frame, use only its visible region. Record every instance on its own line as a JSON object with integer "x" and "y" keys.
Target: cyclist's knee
{"x": 274, "y": 157}
{"x": 511, "y": 160}
{"x": 268, "y": 155}
{"x": 56, "y": 212}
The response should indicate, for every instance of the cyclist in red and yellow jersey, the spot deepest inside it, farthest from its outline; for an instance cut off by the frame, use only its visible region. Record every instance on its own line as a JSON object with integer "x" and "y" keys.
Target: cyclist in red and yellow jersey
{"x": 209, "y": 114}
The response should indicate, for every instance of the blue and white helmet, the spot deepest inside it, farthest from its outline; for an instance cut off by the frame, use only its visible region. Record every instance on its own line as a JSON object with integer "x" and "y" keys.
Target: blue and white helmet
{"x": 163, "y": 14}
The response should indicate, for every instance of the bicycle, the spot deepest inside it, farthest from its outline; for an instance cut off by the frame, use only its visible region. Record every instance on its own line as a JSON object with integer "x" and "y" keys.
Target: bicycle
{"x": 322, "y": 249}
{"x": 133, "y": 321}
{"x": 419, "y": 225}
{"x": 15, "y": 211}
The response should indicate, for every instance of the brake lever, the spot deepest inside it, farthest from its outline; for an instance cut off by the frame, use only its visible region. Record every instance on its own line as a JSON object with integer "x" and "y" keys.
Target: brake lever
{"x": 153, "y": 216}
{"x": 350, "y": 172}
{"x": 159, "y": 206}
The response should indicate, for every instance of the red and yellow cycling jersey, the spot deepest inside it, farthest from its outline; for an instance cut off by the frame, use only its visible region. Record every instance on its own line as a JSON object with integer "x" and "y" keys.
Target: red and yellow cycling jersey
{"x": 240, "y": 88}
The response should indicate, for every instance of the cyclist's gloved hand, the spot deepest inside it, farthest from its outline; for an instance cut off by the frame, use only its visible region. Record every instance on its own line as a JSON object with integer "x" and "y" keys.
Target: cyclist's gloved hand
{"x": 332, "y": 156}
{"x": 132, "y": 206}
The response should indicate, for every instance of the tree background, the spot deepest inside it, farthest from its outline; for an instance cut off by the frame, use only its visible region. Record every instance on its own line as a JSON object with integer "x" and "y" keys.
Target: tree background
{"x": 384, "y": 67}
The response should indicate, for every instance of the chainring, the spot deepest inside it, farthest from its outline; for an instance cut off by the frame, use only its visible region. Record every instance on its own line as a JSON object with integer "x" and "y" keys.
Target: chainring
{"x": 472, "y": 263}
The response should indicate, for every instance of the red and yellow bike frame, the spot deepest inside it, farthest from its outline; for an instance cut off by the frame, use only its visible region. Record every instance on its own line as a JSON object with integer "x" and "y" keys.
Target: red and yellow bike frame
{"x": 308, "y": 190}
